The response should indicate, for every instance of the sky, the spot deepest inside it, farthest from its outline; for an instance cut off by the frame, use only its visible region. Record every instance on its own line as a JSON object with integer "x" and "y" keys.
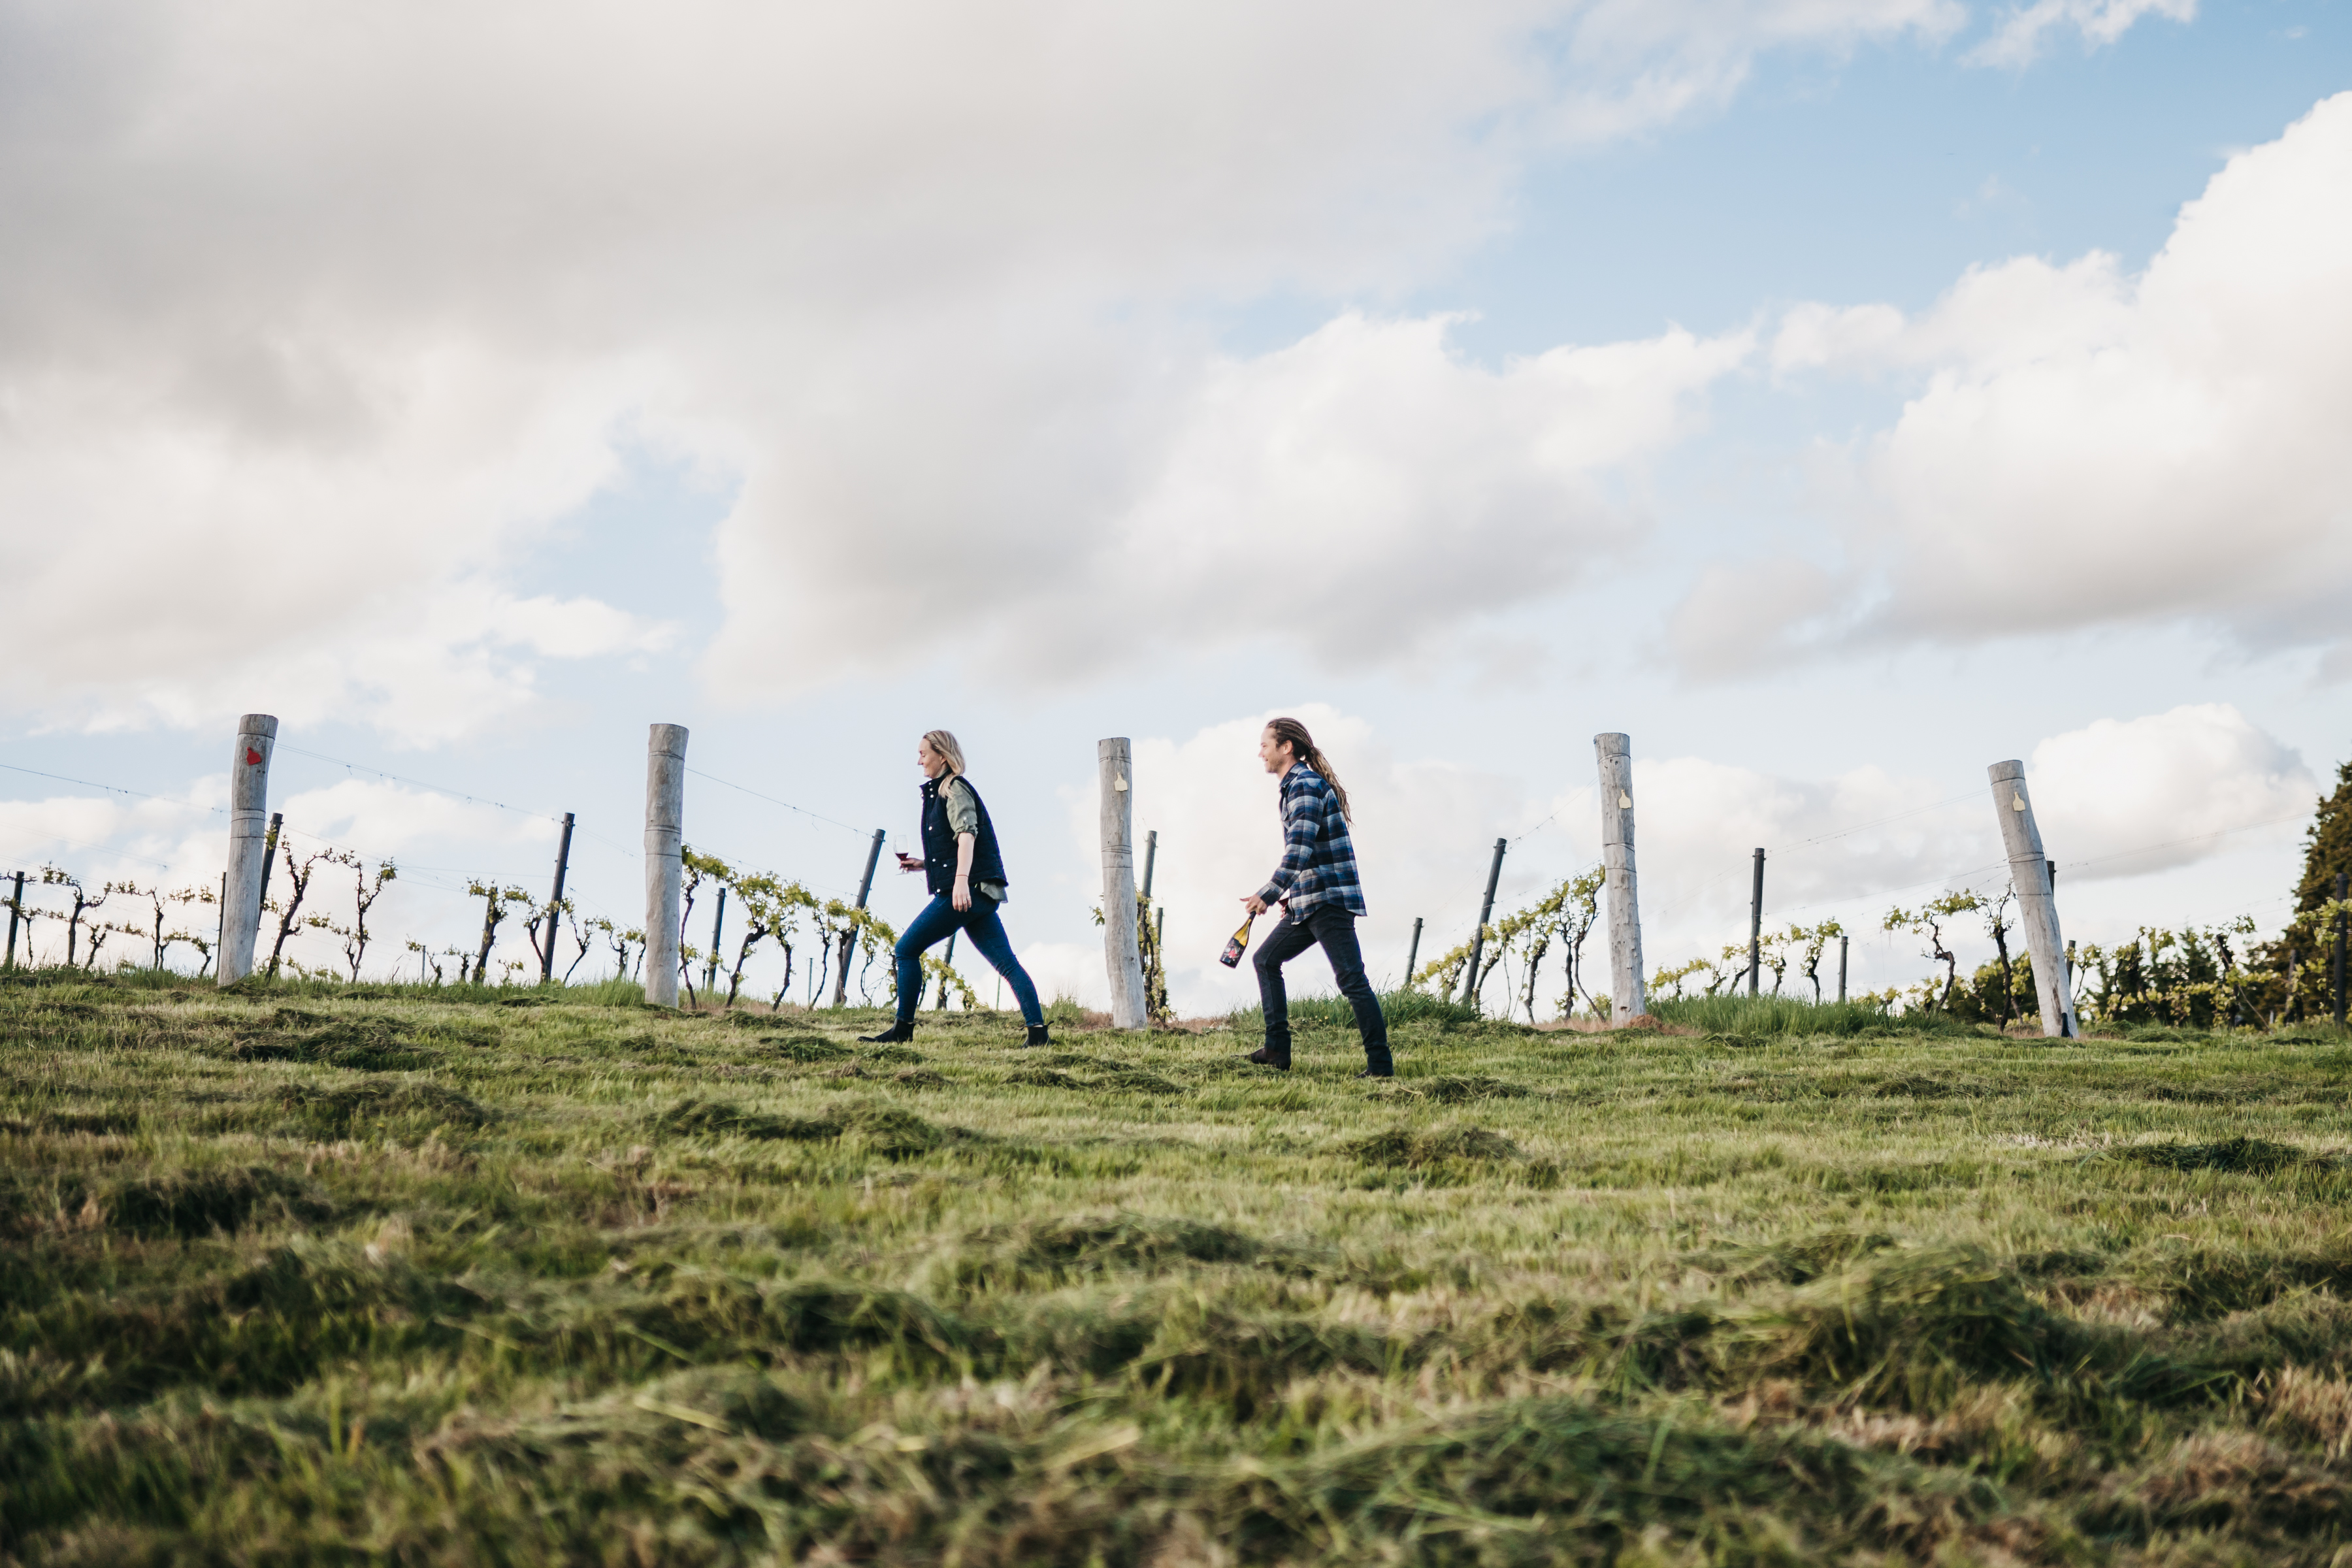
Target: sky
{"x": 1837, "y": 397}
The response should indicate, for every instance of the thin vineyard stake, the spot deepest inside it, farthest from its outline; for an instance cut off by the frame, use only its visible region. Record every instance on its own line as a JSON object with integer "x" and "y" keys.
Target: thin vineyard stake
{"x": 1755, "y": 925}
{"x": 1412, "y": 954}
{"x": 941, "y": 1006}
{"x": 664, "y": 844}
{"x": 2031, "y": 873}
{"x": 2336, "y": 974}
{"x": 269, "y": 851}
{"x": 1843, "y": 942}
{"x": 1150, "y": 853}
{"x": 555, "y": 902}
{"x": 1614, "y": 753}
{"x": 718, "y": 922}
{"x": 849, "y": 937}
{"x": 1485, "y": 913}
{"x": 15, "y": 908}
{"x": 248, "y": 819}
{"x": 1122, "y": 955}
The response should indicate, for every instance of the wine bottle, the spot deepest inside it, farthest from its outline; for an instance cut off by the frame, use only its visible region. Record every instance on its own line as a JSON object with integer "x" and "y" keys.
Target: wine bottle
{"x": 1238, "y": 944}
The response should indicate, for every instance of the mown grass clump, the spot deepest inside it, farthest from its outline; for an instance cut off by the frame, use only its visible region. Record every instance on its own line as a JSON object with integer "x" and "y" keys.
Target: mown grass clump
{"x": 2254, "y": 1156}
{"x": 310, "y": 1272}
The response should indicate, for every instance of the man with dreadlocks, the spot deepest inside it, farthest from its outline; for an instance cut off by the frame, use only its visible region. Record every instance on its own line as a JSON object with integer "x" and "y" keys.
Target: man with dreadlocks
{"x": 1317, "y": 888}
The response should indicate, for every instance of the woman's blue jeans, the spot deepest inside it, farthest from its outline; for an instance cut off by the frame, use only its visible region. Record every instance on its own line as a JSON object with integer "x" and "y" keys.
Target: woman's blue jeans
{"x": 940, "y": 917}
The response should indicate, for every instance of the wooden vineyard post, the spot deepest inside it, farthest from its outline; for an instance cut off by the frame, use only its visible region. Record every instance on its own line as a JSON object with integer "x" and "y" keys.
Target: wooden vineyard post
{"x": 1412, "y": 954}
{"x": 1755, "y": 924}
{"x": 665, "y": 840}
{"x": 1121, "y": 955}
{"x": 1615, "y": 754}
{"x": 15, "y": 908}
{"x": 1841, "y": 952}
{"x": 2037, "y": 905}
{"x": 248, "y": 828}
{"x": 555, "y": 902}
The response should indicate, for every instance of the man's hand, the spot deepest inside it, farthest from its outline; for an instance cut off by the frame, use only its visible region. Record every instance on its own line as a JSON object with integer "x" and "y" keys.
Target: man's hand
{"x": 1253, "y": 904}
{"x": 907, "y": 862}
{"x": 961, "y": 896}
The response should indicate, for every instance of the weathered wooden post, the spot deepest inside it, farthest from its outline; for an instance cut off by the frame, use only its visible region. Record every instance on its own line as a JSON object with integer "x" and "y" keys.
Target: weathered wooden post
{"x": 555, "y": 902}
{"x": 2037, "y": 905}
{"x": 1755, "y": 924}
{"x": 1121, "y": 955}
{"x": 248, "y": 828}
{"x": 1842, "y": 950}
{"x": 1412, "y": 954}
{"x": 664, "y": 840}
{"x": 1626, "y": 1000}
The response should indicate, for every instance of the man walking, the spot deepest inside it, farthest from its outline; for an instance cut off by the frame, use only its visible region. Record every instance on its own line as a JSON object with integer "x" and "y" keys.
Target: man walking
{"x": 1317, "y": 888}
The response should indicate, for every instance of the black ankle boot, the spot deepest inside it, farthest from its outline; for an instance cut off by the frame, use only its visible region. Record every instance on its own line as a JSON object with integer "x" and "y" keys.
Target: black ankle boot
{"x": 896, "y": 1034}
{"x": 1265, "y": 1057}
{"x": 1038, "y": 1036}
{"x": 1378, "y": 1066}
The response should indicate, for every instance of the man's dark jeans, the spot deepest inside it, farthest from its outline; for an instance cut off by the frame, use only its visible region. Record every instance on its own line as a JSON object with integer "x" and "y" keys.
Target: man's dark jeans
{"x": 1336, "y": 930}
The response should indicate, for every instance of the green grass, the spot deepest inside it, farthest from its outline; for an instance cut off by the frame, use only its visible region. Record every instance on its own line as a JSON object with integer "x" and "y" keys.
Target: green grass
{"x": 308, "y": 1273}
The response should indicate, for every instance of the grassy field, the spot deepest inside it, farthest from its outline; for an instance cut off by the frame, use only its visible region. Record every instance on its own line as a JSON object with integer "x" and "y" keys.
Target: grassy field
{"x": 399, "y": 1276}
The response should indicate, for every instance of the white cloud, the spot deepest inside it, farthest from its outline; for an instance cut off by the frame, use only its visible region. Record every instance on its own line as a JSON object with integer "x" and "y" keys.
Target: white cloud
{"x": 1368, "y": 449}
{"x": 2124, "y": 797}
{"x": 380, "y": 820}
{"x": 2018, "y": 41}
{"x": 312, "y": 320}
{"x": 2088, "y": 447}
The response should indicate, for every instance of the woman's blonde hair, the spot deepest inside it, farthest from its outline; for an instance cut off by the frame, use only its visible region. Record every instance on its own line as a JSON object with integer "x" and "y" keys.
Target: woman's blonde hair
{"x": 942, "y": 742}
{"x": 1303, "y": 748}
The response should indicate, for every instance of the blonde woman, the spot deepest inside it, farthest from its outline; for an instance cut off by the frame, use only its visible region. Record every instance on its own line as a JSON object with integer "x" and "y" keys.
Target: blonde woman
{"x": 966, "y": 877}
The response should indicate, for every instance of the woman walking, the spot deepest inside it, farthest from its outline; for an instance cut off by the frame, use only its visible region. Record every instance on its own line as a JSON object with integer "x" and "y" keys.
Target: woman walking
{"x": 1318, "y": 890}
{"x": 966, "y": 877}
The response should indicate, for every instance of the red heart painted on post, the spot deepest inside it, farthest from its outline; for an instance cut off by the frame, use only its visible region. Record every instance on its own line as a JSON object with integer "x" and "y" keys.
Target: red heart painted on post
{"x": 252, "y": 757}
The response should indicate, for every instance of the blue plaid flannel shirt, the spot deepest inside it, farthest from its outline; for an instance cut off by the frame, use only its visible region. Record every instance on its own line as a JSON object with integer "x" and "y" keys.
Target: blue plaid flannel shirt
{"x": 1318, "y": 858}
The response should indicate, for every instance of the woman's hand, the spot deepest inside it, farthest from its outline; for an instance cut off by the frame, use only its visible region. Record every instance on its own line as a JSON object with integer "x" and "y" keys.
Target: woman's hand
{"x": 907, "y": 862}
{"x": 961, "y": 896}
{"x": 1253, "y": 904}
